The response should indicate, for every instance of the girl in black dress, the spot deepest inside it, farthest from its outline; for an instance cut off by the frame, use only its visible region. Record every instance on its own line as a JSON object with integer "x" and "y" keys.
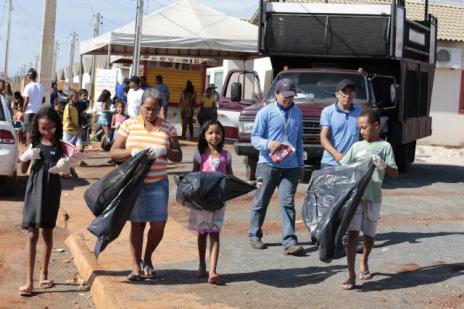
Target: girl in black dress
{"x": 43, "y": 191}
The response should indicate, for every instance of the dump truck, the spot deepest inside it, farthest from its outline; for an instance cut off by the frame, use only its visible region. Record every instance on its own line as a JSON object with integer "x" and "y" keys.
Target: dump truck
{"x": 390, "y": 57}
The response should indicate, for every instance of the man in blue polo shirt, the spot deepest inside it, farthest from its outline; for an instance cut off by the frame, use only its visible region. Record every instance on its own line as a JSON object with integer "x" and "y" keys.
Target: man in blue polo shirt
{"x": 339, "y": 124}
{"x": 275, "y": 124}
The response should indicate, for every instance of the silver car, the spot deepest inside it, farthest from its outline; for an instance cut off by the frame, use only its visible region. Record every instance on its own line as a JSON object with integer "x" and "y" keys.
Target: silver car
{"x": 8, "y": 150}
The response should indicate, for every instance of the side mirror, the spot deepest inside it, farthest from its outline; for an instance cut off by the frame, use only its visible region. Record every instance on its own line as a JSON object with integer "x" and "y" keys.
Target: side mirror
{"x": 394, "y": 96}
{"x": 393, "y": 93}
{"x": 236, "y": 92}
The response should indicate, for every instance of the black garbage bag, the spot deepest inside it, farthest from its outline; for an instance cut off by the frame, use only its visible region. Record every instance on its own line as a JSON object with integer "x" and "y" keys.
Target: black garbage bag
{"x": 209, "y": 191}
{"x": 109, "y": 224}
{"x": 330, "y": 203}
{"x": 107, "y": 142}
{"x": 100, "y": 194}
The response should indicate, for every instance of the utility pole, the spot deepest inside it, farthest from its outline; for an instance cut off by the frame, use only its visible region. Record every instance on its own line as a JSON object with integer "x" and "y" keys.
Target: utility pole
{"x": 47, "y": 42}
{"x": 96, "y": 32}
{"x": 7, "y": 44}
{"x": 71, "y": 59}
{"x": 138, "y": 36}
{"x": 55, "y": 58}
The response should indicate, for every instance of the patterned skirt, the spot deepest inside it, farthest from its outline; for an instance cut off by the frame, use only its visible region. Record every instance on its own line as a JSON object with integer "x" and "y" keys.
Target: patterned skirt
{"x": 204, "y": 221}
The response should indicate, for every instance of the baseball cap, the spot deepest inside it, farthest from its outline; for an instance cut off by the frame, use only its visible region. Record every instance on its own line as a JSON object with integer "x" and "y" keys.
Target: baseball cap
{"x": 135, "y": 79}
{"x": 345, "y": 83}
{"x": 31, "y": 71}
{"x": 286, "y": 87}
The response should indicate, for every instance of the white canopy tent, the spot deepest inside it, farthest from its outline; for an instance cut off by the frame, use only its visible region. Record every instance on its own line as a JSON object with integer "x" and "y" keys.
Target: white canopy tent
{"x": 186, "y": 29}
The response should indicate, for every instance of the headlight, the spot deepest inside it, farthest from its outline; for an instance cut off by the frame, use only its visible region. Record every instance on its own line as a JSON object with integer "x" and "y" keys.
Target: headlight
{"x": 246, "y": 127}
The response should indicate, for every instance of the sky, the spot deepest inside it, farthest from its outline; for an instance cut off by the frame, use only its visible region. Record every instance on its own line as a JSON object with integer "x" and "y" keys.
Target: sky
{"x": 78, "y": 16}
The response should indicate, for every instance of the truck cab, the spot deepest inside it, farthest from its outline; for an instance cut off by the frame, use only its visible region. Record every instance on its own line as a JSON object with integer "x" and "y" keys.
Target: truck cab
{"x": 392, "y": 63}
{"x": 241, "y": 89}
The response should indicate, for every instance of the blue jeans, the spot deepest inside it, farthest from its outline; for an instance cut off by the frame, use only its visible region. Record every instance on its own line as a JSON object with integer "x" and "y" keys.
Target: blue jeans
{"x": 287, "y": 181}
{"x": 152, "y": 203}
{"x": 325, "y": 165}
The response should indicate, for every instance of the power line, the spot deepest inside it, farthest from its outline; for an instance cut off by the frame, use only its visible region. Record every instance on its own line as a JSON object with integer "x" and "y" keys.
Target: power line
{"x": 91, "y": 6}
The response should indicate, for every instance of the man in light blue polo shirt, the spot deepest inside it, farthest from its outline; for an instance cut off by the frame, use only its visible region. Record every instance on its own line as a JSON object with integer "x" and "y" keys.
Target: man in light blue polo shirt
{"x": 339, "y": 124}
{"x": 275, "y": 124}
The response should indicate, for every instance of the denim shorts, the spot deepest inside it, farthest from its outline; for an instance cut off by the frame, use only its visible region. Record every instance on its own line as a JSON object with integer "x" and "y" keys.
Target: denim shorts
{"x": 152, "y": 203}
{"x": 75, "y": 139}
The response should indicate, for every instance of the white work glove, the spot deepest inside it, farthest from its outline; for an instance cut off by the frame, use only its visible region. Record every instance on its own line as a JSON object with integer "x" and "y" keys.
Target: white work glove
{"x": 378, "y": 162}
{"x": 62, "y": 166}
{"x": 134, "y": 152}
{"x": 155, "y": 152}
{"x": 30, "y": 154}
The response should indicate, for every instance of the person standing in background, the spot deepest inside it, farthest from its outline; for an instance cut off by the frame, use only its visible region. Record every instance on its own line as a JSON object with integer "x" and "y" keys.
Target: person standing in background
{"x": 207, "y": 107}
{"x": 84, "y": 119}
{"x": 144, "y": 84}
{"x": 134, "y": 97}
{"x": 33, "y": 97}
{"x": 53, "y": 95}
{"x": 3, "y": 92}
{"x": 164, "y": 94}
{"x": 120, "y": 90}
{"x": 187, "y": 105}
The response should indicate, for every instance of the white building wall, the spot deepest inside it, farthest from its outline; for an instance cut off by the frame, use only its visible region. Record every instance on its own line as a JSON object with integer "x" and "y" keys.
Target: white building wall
{"x": 447, "y": 122}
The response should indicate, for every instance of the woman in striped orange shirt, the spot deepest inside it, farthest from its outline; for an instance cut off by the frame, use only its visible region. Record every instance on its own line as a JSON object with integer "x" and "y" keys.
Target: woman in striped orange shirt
{"x": 148, "y": 131}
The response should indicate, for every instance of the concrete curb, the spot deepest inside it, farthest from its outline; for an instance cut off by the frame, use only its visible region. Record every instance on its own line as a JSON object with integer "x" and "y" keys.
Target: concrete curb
{"x": 89, "y": 268}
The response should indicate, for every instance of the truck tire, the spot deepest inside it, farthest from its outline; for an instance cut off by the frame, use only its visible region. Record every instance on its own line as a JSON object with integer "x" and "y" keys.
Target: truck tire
{"x": 404, "y": 156}
{"x": 9, "y": 185}
{"x": 250, "y": 163}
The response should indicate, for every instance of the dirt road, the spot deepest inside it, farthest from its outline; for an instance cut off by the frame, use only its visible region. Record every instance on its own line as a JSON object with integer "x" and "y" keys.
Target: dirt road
{"x": 417, "y": 259}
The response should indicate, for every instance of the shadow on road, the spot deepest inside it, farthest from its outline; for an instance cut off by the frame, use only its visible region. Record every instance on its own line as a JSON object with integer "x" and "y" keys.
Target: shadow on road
{"x": 70, "y": 184}
{"x": 419, "y": 277}
{"x": 421, "y": 175}
{"x": 280, "y": 278}
{"x": 394, "y": 238}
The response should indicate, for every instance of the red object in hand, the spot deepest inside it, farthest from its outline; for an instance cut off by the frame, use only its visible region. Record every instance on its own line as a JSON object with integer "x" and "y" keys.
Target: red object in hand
{"x": 281, "y": 153}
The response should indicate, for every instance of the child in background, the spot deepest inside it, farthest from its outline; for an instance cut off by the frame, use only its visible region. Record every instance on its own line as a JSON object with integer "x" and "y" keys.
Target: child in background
{"x": 72, "y": 131}
{"x": 119, "y": 117}
{"x": 367, "y": 214}
{"x": 43, "y": 191}
{"x": 104, "y": 120}
{"x": 210, "y": 157}
{"x": 18, "y": 116}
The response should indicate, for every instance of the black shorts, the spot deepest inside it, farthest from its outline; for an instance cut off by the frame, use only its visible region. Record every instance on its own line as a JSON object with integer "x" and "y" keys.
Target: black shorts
{"x": 28, "y": 120}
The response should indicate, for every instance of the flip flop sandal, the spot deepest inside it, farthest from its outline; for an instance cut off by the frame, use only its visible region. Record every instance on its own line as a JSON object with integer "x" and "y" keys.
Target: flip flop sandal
{"x": 349, "y": 285}
{"x": 149, "y": 272}
{"x": 365, "y": 275}
{"x": 133, "y": 276}
{"x": 215, "y": 280}
{"x": 46, "y": 284}
{"x": 25, "y": 291}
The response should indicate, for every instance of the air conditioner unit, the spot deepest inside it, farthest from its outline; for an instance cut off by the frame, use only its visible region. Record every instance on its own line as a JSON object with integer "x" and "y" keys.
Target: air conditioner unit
{"x": 449, "y": 58}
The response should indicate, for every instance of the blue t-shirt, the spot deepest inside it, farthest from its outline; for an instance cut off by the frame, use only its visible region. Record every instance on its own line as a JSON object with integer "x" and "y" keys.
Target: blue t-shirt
{"x": 120, "y": 92}
{"x": 164, "y": 92}
{"x": 274, "y": 124}
{"x": 344, "y": 131}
